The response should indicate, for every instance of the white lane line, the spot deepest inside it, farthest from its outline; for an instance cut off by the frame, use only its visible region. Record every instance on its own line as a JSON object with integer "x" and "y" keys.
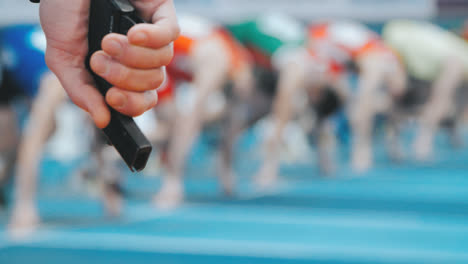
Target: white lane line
{"x": 395, "y": 222}
{"x": 133, "y": 215}
{"x": 301, "y": 210}
{"x": 384, "y": 190}
{"x": 240, "y": 248}
{"x": 145, "y": 212}
{"x": 280, "y": 188}
{"x": 24, "y": 236}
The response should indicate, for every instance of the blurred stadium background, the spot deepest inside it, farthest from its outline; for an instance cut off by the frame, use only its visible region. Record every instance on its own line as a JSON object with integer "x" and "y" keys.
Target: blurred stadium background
{"x": 449, "y": 13}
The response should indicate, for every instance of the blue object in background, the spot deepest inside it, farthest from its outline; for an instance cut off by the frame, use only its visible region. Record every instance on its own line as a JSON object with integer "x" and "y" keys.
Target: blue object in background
{"x": 22, "y": 50}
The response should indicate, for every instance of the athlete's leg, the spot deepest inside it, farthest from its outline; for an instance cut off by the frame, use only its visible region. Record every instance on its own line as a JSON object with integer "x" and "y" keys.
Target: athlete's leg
{"x": 109, "y": 178}
{"x": 364, "y": 107}
{"x": 291, "y": 80}
{"x": 334, "y": 95}
{"x": 396, "y": 82}
{"x": 8, "y": 146}
{"x": 393, "y": 135}
{"x": 239, "y": 109}
{"x": 165, "y": 118}
{"x": 438, "y": 106}
{"x": 326, "y": 146}
{"x": 8, "y": 140}
{"x": 210, "y": 65}
{"x": 39, "y": 127}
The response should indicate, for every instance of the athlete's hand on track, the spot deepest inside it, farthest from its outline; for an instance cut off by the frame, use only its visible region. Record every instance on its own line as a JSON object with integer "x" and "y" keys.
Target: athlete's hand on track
{"x": 133, "y": 64}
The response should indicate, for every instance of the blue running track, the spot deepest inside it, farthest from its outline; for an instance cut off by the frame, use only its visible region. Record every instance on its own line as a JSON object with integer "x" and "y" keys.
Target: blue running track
{"x": 396, "y": 213}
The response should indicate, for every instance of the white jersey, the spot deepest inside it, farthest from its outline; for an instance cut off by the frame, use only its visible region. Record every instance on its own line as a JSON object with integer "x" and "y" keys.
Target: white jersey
{"x": 195, "y": 27}
{"x": 424, "y": 47}
{"x": 350, "y": 35}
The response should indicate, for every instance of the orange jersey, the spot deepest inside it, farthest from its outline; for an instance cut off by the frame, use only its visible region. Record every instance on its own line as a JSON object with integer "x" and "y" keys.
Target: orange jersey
{"x": 166, "y": 91}
{"x": 465, "y": 31}
{"x": 351, "y": 39}
{"x": 183, "y": 47}
{"x": 332, "y": 66}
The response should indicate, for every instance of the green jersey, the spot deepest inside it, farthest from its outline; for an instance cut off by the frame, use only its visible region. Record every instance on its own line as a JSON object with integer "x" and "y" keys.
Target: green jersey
{"x": 269, "y": 33}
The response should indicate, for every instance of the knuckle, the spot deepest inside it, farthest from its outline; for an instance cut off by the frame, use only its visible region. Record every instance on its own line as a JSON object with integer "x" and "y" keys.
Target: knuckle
{"x": 175, "y": 31}
{"x": 151, "y": 98}
{"x": 159, "y": 78}
{"x": 156, "y": 99}
{"x": 153, "y": 84}
{"x": 167, "y": 55}
{"x": 139, "y": 110}
{"x": 169, "y": 33}
{"x": 154, "y": 102}
{"x": 155, "y": 80}
{"x": 166, "y": 32}
{"x": 120, "y": 75}
{"x": 133, "y": 107}
{"x": 126, "y": 52}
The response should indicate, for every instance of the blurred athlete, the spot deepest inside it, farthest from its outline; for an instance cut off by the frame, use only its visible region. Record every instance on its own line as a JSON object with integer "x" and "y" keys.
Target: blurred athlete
{"x": 437, "y": 58}
{"x": 305, "y": 79}
{"x": 382, "y": 78}
{"x": 208, "y": 56}
{"x": 22, "y": 55}
{"x": 26, "y": 76}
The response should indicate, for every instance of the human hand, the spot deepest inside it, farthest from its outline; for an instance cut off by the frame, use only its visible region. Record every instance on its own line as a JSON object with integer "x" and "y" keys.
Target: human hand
{"x": 133, "y": 64}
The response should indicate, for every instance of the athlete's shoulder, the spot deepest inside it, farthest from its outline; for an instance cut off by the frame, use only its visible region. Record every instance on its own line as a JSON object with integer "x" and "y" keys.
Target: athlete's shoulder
{"x": 196, "y": 27}
{"x": 281, "y": 26}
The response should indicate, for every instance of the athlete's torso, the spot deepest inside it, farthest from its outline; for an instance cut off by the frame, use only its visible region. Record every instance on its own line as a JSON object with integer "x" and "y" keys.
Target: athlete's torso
{"x": 268, "y": 34}
{"x": 343, "y": 40}
{"x": 197, "y": 31}
{"x": 424, "y": 47}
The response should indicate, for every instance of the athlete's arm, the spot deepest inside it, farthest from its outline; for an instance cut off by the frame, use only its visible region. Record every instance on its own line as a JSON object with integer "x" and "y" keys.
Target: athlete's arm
{"x": 133, "y": 64}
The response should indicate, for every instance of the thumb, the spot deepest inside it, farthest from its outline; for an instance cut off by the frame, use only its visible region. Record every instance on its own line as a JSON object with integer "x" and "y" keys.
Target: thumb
{"x": 79, "y": 85}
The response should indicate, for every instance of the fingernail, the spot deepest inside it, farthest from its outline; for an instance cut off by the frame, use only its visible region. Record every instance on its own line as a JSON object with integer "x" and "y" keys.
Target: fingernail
{"x": 149, "y": 97}
{"x": 114, "y": 48}
{"x": 100, "y": 64}
{"x": 139, "y": 38}
{"x": 117, "y": 100}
